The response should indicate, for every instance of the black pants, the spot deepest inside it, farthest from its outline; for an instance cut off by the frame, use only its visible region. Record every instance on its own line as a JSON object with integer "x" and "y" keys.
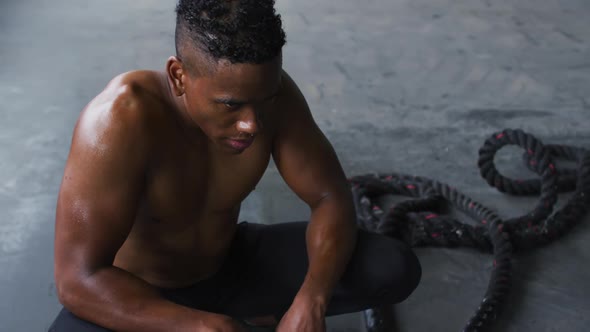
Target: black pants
{"x": 266, "y": 266}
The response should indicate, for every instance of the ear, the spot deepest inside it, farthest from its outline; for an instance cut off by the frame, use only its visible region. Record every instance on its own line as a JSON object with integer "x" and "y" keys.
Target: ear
{"x": 176, "y": 74}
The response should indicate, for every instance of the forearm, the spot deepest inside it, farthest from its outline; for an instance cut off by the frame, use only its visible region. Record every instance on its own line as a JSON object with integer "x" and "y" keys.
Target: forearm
{"x": 331, "y": 239}
{"x": 117, "y": 300}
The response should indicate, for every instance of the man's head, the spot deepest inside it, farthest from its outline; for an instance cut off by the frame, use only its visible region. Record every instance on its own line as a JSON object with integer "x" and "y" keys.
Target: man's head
{"x": 228, "y": 64}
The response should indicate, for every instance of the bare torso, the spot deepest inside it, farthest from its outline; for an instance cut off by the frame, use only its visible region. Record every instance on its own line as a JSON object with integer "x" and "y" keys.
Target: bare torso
{"x": 191, "y": 198}
{"x": 158, "y": 166}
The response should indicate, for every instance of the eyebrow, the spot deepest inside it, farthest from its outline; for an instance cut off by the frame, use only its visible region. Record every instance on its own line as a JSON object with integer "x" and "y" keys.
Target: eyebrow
{"x": 231, "y": 100}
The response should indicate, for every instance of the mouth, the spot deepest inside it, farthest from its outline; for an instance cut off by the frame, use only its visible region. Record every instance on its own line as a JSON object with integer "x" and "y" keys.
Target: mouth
{"x": 240, "y": 144}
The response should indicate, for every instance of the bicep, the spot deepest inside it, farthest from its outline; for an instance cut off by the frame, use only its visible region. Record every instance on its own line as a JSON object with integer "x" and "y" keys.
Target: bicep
{"x": 98, "y": 197}
{"x": 303, "y": 155}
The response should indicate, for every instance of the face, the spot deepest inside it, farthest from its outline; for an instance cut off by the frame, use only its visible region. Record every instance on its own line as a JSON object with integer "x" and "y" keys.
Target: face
{"x": 230, "y": 101}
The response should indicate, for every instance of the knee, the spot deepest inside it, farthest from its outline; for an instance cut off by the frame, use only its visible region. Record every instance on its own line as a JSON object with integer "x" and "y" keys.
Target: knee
{"x": 396, "y": 274}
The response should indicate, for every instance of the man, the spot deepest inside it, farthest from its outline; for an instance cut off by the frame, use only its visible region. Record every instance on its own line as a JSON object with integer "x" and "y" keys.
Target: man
{"x": 147, "y": 237}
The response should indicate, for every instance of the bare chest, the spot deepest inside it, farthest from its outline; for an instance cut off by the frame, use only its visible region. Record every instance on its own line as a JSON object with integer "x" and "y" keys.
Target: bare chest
{"x": 188, "y": 185}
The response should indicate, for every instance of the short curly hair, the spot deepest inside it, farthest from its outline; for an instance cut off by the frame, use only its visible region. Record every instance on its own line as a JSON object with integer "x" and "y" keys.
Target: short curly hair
{"x": 240, "y": 31}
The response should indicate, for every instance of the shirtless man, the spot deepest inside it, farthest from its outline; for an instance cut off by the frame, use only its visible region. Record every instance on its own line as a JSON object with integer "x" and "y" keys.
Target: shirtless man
{"x": 147, "y": 236}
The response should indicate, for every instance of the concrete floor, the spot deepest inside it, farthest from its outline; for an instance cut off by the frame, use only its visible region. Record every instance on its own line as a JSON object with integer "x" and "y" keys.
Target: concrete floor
{"x": 396, "y": 85}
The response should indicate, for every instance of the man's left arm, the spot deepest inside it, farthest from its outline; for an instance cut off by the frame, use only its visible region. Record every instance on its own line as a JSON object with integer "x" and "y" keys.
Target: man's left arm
{"x": 310, "y": 167}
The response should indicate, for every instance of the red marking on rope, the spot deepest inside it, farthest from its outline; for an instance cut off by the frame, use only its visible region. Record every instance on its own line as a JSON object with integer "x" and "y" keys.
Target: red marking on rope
{"x": 484, "y": 221}
{"x": 411, "y": 186}
{"x": 530, "y": 152}
{"x": 435, "y": 235}
{"x": 500, "y": 135}
{"x": 430, "y": 216}
{"x": 471, "y": 205}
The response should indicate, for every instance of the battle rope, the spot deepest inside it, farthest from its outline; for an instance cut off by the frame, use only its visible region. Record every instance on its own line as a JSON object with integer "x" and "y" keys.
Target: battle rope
{"x": 418, "y": 221}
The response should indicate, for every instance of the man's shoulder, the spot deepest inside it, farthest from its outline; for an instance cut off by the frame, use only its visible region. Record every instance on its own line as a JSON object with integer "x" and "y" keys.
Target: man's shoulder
{"x": 292, "y": 102}
{"x": 128, "y": 92}
{"x": 122, "y": 111}
{"x": 292, "y": 98}
{"x": 288, "y": 85}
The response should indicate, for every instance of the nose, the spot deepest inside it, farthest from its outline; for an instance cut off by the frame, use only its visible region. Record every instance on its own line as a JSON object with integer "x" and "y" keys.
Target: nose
{"x": 250, "y": 122}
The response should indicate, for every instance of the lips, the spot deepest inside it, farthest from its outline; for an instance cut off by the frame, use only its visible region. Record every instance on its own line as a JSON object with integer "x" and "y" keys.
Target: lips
{"x": 240, "y": 144}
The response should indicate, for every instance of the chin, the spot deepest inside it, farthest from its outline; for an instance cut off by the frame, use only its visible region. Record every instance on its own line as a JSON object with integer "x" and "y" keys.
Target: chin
{"x": 234, "y": 151}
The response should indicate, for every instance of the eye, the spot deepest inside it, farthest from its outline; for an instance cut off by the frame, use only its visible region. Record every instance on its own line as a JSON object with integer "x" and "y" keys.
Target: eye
{"x": 232, "y": 106}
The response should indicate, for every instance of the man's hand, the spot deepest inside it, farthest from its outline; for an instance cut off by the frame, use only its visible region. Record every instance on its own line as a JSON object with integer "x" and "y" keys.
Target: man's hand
{"x": 303, "y": 316}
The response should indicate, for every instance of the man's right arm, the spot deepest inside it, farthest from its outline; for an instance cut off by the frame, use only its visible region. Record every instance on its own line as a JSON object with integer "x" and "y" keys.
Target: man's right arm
{"x": 99, "y": 195}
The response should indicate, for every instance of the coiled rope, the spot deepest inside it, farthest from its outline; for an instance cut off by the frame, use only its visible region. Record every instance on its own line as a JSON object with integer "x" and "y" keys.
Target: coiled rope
{"x": 417, "y": 221}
